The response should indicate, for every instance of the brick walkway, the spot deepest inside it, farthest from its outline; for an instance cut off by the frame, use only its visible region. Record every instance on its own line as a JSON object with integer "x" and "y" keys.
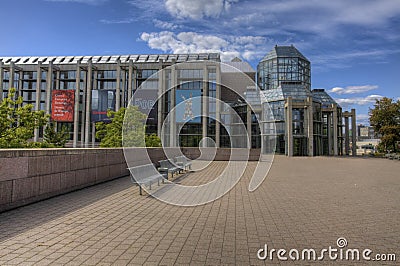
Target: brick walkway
{"x": 304, "y": 203}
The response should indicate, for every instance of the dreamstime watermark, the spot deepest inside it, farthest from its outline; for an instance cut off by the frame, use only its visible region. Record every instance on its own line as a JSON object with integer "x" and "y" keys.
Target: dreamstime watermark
{"x": 339, "y": 252}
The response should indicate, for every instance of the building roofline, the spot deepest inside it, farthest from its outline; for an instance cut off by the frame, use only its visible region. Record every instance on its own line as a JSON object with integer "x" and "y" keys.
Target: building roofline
{"x": 110, "y": 59}
{"x": 283, "y": 51}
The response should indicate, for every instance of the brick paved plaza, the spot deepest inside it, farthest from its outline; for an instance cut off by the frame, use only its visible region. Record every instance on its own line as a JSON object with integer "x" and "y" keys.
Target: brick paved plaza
{"x": 303, "y": 203}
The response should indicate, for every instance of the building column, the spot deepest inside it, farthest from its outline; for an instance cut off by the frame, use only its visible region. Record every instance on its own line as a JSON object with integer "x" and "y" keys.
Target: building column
{"x": 118, "y": 87}
{"x": 218, "y": 106}
{"x": 76, "y": 105}
{"x": 346, "y": 135}
{"x": 11, "y": 76}
{"x": 162, "y": 101}
{"x": 1, "y": 79}
{"x": 49, "y": 79}
{"x": 248, "y": 122}
{"x": 123, "y": 89}
{"x": 310, "y": 126}
{"x": 94, "y": 78}
{"x": 134, "y": 81}
{"x": 19, "y": 87}
{"x": 88, "y": 102}
{"x": 37, "y": 98}
{"x": 57, "y": 78}
{"x": 329, "y": 132}
{"x": 205, "y": 100}
{"x": 93, "y": 134}
{"x": 354, "y": 132}
{"x": 94, "y": 87}
{"x": 335, "y": 130}
{"x": 130, "y": 79}
{"x": 289, "y": 127}
{"x": 83, "y": 114}
{"x": 160, "y": 97}
{"x": 172, "y": 122}
{"x": 261, "y": 123}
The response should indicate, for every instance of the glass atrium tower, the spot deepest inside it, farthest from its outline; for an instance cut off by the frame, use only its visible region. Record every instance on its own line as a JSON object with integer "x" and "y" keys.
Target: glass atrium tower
{"x": 301, "y": 121}
{"x": 284, "y": 65}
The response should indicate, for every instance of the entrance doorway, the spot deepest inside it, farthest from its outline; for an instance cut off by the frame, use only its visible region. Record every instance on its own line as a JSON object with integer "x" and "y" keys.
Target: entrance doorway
{"x": 300, "y": 146}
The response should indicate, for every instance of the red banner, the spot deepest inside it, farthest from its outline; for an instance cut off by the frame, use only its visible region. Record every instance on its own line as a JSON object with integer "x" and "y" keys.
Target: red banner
{"x": 62, "y": 107}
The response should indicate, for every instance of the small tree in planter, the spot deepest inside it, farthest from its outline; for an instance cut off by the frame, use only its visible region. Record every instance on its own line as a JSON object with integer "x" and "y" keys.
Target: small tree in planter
{"x": 55, "y": 138}
{"x": 17, "y": 122}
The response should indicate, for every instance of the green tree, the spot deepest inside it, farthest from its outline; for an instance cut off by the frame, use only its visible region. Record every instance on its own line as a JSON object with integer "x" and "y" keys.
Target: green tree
{"x": 55, "y": 138}
{"x": 127, "y": 127}
{"x": 153, "y": 141}
{"x": 385, "y": 119}
{"x": 17, "y": 122}
{"x": 110, "y": 134}
{"x": 134, "y": 127}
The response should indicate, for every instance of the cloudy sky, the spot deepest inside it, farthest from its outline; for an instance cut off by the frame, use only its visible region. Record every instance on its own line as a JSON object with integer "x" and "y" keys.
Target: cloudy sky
{"x": 353, "y": 45}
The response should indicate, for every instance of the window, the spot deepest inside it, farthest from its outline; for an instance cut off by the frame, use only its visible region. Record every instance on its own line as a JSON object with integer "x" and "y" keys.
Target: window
{"x": 147, "y": 73}
{"x": 190, "y": 73}
{"x": 148, "y": 84}
{"x": 107, "y": 74}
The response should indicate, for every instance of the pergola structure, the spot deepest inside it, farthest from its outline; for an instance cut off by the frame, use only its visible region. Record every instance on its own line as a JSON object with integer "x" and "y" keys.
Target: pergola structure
{"x": 346, "y": 116}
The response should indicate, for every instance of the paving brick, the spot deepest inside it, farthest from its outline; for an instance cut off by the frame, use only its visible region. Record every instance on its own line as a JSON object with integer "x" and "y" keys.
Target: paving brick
{"x": 303, "y": 203}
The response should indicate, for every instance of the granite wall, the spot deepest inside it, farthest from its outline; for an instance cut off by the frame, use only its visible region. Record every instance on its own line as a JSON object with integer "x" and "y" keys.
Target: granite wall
{"x": 30, "y": 175}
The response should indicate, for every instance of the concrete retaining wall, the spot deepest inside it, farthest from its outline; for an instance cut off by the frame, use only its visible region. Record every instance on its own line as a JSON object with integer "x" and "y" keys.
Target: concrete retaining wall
{"x": 30, "y": 175}
{"x": 137, "y": 156}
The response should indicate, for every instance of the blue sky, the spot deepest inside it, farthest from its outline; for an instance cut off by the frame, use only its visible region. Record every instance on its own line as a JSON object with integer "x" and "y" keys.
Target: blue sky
{"x": 353, "y": 45}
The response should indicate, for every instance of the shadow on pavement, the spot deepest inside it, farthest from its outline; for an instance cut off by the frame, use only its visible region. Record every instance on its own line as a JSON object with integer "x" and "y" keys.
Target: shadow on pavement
{"x": 16, "y": 221}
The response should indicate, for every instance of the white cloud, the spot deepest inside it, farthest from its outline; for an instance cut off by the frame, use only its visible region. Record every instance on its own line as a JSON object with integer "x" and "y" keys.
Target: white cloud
{"x": 247, "y": 47}
{"x": 370, "y": 99}
{"x": 306, "y": 24}
{"x": 119, "y": 21}
{"x": 197, "y": 9}
{"x": 344, "y": 56}
{"x": 319, "y": 16}
{"x": 147, "y": 10}
{"x": 292, "y": 13}
{"x": 89, "y": 2}
{"x": 367, "y": 12}
{"x": 165, "y": 25}
{"x": 363, "y": 116}
{"x": 353, "y": 89}
{"x": 362, "y": 119}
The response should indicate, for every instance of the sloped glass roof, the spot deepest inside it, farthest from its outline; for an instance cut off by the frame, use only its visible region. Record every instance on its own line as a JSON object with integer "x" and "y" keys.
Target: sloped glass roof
{"x": 296, "y": 91}
{"x": 321, "y": 96}
{"x": 284, "y": 51}
{"x": 273, "y": 95}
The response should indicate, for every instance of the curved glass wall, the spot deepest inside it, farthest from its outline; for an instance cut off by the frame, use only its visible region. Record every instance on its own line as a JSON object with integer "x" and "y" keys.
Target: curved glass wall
{"x": 274, "y": 127}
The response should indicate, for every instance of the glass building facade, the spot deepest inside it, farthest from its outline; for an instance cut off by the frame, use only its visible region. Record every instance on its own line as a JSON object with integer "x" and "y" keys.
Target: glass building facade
{"x": 104, "y": 83}
{"x": 286, "y": 116}
{"x": 284, "y": 64}
{"x": 303, "y": 122}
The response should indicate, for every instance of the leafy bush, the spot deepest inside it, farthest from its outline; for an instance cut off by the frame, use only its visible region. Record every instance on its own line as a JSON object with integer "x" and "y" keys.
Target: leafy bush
{"x": 126, "y": 128}
{"x": 55, "y": 138}
{"x": 385, "y": 119}
{"x": 153, "y": 141}
{"x": 17, "y": 122}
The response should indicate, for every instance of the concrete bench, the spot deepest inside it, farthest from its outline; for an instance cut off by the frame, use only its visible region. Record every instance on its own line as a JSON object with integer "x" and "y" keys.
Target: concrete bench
{"x": 183, "y": 162}
{"x": 390, "y": 156}
{"x": 145, "y": 175}
{"x": 166, "y": 166}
